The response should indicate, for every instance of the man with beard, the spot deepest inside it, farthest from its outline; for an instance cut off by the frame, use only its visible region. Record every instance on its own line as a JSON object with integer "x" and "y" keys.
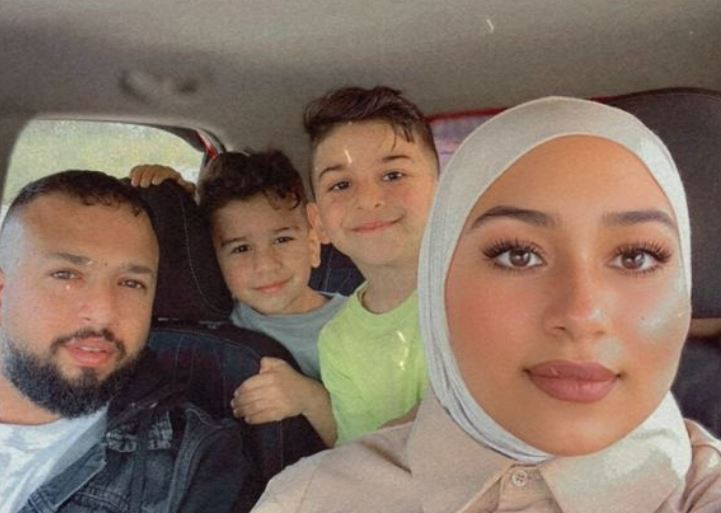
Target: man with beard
{"x": 86, "y": 421}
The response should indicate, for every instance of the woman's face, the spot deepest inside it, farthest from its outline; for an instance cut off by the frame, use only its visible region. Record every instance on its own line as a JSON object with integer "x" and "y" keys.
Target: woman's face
{"x": 566, "y": 300}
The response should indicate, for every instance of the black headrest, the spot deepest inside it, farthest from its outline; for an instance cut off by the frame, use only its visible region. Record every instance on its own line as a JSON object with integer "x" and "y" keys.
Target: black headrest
{"x": 689, "y": 122}
{"x": 190, "y": 284}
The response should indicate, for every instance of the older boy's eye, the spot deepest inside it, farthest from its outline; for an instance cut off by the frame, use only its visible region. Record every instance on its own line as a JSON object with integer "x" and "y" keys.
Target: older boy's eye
{"x": 392, "y": 176}
{"x": 339, "y": 186}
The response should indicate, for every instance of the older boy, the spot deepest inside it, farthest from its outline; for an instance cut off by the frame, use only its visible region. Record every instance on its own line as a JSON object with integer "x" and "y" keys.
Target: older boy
{"x": 255, "y": 205}
{"x": 374, "y": 173}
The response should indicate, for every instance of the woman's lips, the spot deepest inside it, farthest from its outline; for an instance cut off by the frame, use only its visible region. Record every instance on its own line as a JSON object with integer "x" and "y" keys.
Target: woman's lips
{"x": 572, "y": 381}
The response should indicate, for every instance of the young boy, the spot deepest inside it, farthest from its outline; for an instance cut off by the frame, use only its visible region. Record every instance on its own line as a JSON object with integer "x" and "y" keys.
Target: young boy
{"x": 374, "y": 171}
{"x": 255, "y": 206}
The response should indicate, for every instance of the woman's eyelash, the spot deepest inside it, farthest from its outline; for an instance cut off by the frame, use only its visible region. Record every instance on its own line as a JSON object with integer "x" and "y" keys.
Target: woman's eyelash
{"x": 661, "y": 253}
{"x": 501, "y": 246}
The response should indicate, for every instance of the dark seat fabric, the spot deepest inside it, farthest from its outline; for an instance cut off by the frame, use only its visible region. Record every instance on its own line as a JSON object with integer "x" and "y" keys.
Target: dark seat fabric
{"x": 697, "y": 386}
{"x": 336, "y": 272}
{"x": 210, "y": 362}
{"x": 195, "y": 343}
{"x": 689, "y": 122}
{"x": 190, "y": 284}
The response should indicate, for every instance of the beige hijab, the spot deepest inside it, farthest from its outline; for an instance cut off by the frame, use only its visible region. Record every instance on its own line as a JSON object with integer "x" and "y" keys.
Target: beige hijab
{"x": 484, "y": 156}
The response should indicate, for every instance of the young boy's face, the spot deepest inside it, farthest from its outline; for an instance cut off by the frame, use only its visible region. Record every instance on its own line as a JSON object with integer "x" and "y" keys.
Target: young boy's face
{"x": 566, "y": 299}
{"x": 266, "y": 252}
{"x": 373, "y": 190}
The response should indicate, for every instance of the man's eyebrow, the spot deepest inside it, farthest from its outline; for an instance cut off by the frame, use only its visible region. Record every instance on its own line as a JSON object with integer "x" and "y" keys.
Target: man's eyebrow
{"x": 632, "y": 217}
{"x": 84, "y": 261}
{"x": 70, "y": 257}
{"x": 533, "y": 217}
{"x": 139, "y": 269}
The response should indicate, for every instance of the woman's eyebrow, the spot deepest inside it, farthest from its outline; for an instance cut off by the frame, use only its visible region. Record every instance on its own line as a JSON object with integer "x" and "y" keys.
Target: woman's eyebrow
{"x": 533, "y": 217}
{"x": 631, "y": 217}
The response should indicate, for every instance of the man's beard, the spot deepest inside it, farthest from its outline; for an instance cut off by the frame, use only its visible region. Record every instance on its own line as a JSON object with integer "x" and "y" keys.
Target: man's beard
{"x": 41, "y": 380}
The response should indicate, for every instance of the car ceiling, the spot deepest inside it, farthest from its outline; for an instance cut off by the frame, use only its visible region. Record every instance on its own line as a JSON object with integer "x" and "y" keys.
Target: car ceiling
{"x": 245, "y": 69}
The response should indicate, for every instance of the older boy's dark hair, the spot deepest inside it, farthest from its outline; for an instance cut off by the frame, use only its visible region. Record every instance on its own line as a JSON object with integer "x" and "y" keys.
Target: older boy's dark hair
{"x": 240, "y": 176}
{"x": 359, "y": 104}
{"x": 88, "y": 187}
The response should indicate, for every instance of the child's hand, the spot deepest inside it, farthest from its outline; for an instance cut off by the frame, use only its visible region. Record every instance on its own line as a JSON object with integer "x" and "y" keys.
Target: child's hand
{"x": 275, "y": 393}
{"x": 145, "y": 175}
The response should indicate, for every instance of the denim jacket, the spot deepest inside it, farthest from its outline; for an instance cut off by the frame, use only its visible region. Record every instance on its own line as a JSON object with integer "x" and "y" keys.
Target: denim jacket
{"x": 159, "y": 453}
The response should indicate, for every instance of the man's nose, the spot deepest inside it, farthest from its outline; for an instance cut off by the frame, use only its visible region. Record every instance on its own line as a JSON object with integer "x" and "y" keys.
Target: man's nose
{"x": 100, "y": 302}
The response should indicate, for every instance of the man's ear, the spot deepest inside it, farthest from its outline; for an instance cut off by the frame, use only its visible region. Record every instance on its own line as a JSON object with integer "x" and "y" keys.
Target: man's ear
{"x": 316, "y": 224}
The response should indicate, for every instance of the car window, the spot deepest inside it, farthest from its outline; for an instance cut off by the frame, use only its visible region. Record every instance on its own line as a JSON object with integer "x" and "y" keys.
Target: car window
{"x": 47, "y": 146}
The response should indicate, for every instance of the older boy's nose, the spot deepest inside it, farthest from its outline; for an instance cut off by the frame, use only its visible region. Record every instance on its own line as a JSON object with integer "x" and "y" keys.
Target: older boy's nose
{"x": 369, "y": 195}
{"x": 577, "y": 310}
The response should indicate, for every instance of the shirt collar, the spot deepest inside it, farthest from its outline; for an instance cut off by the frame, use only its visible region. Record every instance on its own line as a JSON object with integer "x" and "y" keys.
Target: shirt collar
{"x": 639, "y": 472}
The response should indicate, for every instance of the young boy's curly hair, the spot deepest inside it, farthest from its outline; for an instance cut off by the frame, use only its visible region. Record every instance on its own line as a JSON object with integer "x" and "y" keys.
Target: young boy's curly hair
{"x": 242, "y": 175}
{"x": 358, "y": 104}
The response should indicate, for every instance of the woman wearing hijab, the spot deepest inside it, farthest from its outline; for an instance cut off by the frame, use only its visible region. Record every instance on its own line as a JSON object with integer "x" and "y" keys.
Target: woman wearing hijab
{"x": 554, "y": 289}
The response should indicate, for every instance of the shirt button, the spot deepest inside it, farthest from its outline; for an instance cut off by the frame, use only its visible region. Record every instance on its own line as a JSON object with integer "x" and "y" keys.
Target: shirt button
{"x": 519, "y": 478}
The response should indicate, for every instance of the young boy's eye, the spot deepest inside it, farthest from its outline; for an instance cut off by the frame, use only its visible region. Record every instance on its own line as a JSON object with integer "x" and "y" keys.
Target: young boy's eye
{"x": 391, "y": 176}
{"x": 240, "y": 248}
{"x": 339, "y": 186}
{"x": 514, "y": 255}
{"x": 641, "y": 258}
{"x": 283, "y": 239}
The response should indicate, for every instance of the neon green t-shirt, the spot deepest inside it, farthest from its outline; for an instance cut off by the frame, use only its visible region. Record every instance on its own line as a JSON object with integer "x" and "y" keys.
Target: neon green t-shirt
{"x": 373, "y": 365}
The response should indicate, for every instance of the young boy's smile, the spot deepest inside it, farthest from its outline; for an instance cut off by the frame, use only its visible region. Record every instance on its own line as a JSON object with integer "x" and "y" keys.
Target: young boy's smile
{"x": 373, "y": 190}
{"x": 266, "y": 252}
{"x": 565, "y": 298}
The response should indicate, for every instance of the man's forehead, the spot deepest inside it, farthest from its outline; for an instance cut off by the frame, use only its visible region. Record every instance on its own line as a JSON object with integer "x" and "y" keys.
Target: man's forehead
{"x": 59, "y": 220}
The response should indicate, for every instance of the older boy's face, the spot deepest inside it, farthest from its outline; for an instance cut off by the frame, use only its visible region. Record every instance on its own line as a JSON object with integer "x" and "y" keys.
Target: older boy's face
{"x": 266, "y": 252}
{"x": 373, "y": 191}
{"x": 567, "y": 316}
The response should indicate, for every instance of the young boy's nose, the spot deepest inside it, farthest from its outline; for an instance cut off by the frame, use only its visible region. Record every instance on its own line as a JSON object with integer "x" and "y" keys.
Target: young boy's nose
{"x": 266, "y": 259}
{"x": 577, "y": 308}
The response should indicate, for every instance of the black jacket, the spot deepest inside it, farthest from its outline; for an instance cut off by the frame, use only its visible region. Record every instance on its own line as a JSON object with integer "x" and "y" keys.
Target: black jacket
{"x": 160, "y": 454}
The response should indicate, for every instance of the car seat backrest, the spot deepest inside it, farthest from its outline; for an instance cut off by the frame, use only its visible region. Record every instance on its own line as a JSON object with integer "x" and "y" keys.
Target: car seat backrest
{"x": 689, "y": 122}
{"x": 197, "y": 346}
{"x": 190, "y": 284}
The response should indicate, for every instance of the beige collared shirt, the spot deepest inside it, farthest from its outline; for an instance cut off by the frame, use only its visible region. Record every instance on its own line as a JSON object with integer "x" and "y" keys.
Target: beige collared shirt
{"x": 432, "y": 466}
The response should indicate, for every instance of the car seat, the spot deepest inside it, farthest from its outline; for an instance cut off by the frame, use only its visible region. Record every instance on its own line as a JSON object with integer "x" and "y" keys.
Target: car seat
{"x": 195, "y": 343}
{"x": 689, "y": 122}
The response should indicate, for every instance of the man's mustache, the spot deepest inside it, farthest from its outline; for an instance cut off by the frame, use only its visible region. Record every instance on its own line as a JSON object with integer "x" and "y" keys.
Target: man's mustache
{"x": 86, "y": 333}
